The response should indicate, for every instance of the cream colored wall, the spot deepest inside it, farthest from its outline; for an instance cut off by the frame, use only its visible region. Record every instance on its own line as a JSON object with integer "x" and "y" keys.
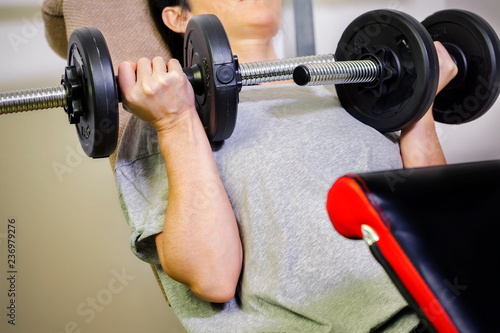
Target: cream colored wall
{"x": 74, "y": 269}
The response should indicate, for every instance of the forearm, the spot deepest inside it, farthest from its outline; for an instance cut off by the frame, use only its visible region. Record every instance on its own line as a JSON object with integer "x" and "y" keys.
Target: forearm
{"x": 200, "y": 245}
{"x": 420, "y": 144}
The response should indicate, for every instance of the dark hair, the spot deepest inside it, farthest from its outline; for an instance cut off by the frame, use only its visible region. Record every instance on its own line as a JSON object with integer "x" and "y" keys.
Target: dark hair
{"x": 174, "y": 40}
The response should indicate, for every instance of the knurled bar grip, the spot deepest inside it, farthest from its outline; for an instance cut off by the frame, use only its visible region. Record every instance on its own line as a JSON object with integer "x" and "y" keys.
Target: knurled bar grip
{"x": 32, "y": 99}
{"x": 277, "y": 70}
{"x": 342, "y": 72}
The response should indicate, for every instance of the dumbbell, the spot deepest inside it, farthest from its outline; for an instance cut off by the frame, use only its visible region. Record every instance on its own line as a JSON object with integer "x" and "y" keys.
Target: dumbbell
{"x": 89, "y": 93}
{"x": 387, "y": 70}
{"x": 395, "y": 90}
{"x": 402, "y": 87}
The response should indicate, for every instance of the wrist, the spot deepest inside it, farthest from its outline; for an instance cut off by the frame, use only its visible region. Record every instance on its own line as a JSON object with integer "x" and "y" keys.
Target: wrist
{"x": 420, "y": 144}
{"x": 172, "y": 125}
{"x": 181, "y": 135}
{"x": 424, "y": 124}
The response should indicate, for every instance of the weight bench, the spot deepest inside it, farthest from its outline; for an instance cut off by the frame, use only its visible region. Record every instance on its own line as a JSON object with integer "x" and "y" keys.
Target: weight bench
{"x": 435, "y": 232}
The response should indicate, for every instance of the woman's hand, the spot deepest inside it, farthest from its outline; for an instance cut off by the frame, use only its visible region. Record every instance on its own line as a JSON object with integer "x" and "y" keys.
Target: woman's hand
{"x": 419, "y": 143}
{"x": 156, "y": 92}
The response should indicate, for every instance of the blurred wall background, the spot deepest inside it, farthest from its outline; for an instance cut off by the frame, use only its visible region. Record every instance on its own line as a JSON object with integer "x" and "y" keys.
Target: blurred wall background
{"x": 74, "y": 271}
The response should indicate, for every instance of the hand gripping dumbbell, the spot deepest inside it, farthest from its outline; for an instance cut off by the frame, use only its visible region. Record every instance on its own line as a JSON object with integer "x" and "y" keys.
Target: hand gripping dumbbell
{"x": 395, "y": 90}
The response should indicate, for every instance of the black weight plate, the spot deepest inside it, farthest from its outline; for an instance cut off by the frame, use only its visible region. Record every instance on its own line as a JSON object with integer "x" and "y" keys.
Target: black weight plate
{"x": 475, "y": 46}
{"x": 412, "y": 91}
{"x": 98, "y": 126}
{"x": 207, "y": 46}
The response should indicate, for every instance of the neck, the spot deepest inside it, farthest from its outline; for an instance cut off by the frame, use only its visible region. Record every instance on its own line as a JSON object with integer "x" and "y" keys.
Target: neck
{"x": 253, "y": 50}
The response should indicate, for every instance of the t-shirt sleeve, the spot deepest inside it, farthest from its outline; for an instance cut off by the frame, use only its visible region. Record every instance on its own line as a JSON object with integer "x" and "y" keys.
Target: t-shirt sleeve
{"x": 143, "y": 193}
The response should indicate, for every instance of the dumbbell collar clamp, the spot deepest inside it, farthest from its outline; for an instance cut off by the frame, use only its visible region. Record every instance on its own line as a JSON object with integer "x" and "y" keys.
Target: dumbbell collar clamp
{"x": 74, "y": 94}
{"x": 389, "y": 70}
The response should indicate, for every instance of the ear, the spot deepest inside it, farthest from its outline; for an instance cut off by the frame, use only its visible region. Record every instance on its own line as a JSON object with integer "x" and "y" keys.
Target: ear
{"x": 176, "y": 18}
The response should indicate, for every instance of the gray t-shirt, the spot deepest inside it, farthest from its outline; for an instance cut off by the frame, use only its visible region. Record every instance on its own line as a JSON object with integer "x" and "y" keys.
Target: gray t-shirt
{"x": 289, "y": 145}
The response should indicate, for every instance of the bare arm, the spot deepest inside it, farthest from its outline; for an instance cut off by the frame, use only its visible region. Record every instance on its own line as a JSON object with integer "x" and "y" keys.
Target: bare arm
{"x": 200, "y": 245}
{"x": 419, "y": 143}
